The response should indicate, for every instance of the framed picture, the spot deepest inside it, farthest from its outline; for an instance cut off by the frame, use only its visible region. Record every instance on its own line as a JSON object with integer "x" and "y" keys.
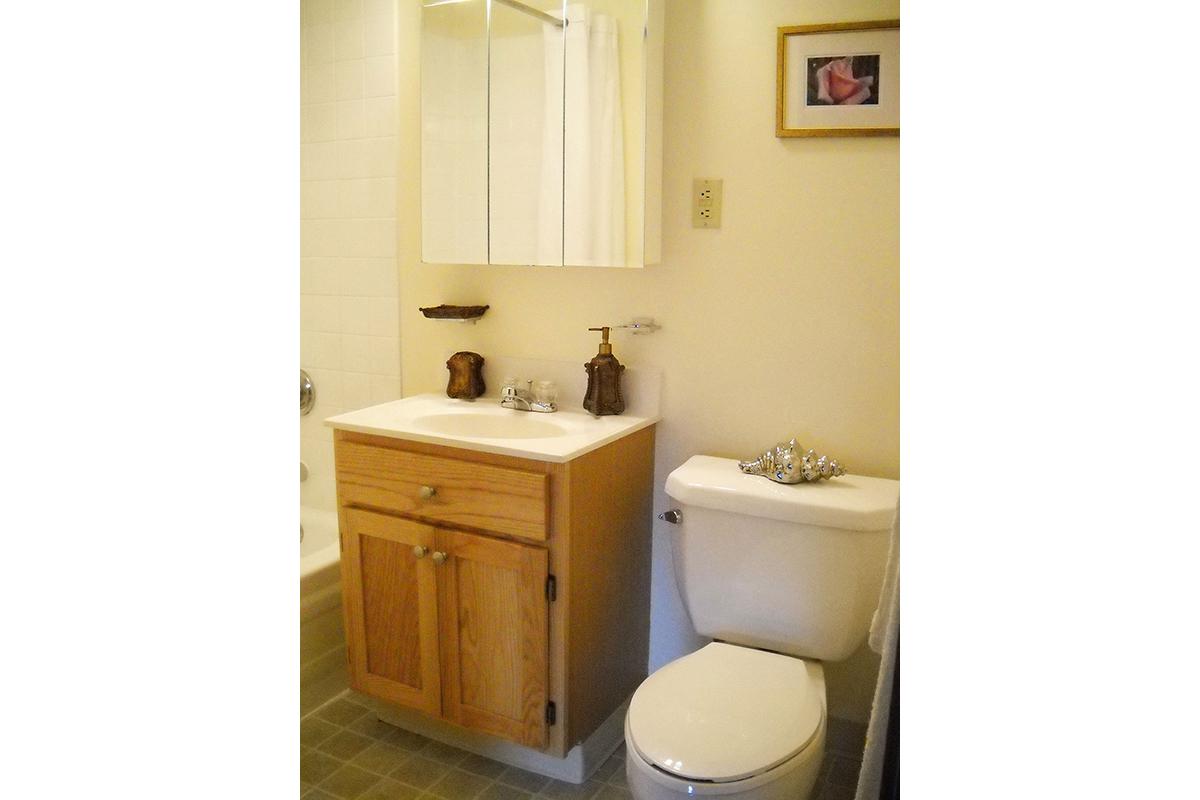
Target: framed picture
{"x": 840, "y": 79}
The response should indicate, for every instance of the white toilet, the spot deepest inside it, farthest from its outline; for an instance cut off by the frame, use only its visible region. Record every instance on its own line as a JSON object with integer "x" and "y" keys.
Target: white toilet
{"x": 783, "y": 577}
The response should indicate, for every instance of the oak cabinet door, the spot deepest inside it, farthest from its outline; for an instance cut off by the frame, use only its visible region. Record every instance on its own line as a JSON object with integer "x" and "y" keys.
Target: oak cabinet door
{"x": 391, "y": 609}
{"x": 493, "y": 615}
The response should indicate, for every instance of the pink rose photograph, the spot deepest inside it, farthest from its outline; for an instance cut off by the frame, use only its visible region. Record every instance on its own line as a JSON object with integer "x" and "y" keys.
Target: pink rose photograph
{"x": 843, "y": 80}
{"x": 838, "y": 79}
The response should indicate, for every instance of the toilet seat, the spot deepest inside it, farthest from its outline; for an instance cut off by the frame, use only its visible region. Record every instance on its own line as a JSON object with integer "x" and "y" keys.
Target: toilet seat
{"x": 725, "y": 713}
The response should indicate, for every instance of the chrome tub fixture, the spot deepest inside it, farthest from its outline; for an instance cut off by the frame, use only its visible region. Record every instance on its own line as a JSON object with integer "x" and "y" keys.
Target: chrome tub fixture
{"x": 308, "y": 394}
{"x": 785, "y": 464}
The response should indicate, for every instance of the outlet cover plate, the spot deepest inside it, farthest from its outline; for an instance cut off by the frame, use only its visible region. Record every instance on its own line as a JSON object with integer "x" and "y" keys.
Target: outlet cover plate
{"x": 706, "y": 203}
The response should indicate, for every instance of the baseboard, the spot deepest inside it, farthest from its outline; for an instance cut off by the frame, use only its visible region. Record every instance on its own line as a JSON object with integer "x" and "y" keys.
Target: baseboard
{"x": 576, "y": 767}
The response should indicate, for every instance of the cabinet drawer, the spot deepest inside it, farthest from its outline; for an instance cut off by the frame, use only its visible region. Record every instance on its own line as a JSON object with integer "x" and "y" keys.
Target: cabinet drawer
{"x": 465, "y": 493}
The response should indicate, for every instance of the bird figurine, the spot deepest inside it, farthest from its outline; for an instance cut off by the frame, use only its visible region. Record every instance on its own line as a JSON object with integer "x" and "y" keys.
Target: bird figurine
{"x": 784, "y": 463}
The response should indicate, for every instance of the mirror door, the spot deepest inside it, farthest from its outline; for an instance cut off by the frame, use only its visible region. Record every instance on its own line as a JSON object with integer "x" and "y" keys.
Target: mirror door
{"x": 454, "y": 131}
{"x": 525, "y": 133}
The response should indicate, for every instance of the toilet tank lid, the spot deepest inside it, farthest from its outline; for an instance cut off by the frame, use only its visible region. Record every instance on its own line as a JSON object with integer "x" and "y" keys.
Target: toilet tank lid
{"x": 850, "y": 502}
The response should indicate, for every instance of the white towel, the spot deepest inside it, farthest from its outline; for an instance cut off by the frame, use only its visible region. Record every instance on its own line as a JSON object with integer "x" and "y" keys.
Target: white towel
{"x": 885, "y": 630}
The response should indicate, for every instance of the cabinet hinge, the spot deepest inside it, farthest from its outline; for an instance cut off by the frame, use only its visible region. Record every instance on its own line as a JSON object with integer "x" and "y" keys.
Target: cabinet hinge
{"x": 551, "y": 713}
{"x": 551, "y": 588}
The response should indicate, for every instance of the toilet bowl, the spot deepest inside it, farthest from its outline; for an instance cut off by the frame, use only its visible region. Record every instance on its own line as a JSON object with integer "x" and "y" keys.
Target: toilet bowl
{"x": 730, "y": 721}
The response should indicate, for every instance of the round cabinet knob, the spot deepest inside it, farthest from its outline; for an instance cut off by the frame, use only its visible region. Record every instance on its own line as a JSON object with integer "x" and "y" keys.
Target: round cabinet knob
{"x": 419, "y": 551}
{"x": 439, "y": 557}
{"x": 427, "y": 492}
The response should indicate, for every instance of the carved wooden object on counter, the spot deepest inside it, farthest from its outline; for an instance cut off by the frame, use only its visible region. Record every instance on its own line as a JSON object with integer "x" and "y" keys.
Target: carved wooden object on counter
{"x": 466, "y": 375}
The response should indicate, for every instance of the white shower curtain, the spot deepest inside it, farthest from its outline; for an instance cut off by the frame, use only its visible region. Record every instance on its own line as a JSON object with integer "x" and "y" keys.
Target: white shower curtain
{"x": 592, "y": 183}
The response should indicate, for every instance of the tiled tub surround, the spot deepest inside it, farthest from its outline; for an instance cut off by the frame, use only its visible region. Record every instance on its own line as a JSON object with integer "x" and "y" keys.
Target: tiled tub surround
{"x": 346, "y": 753}
{"x": 349, "y": 280}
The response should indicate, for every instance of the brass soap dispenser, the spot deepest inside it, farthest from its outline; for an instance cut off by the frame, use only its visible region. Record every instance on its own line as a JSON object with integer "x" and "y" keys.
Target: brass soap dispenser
{"x": 604, "y": 380}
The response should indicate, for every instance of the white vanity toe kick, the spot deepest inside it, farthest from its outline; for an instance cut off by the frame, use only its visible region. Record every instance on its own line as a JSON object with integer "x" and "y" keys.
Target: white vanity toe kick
{"x": 558, "y": 437}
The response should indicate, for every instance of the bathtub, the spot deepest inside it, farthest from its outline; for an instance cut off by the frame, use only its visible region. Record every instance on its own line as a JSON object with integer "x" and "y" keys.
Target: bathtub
{"x": 322, "y": 636}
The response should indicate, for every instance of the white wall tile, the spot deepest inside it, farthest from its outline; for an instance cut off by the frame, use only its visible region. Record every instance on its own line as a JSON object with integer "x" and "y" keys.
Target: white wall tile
{"x": 319, "y": 275}
{"x": 380, "y": 76}
{"x": 385, "y": 316}
{"x": 320, "y": 238}
{"x": 373, "y": 277}
{"x": 329, "y": 386}
{"x": 367, "y": 198}
{"x": 382, "y": 12}
{"x": 383, "y": 277}
{"x": 356, "y": 315}
{"x": 319, "y": 84}
{"x": 366, "y": 158}
{"x": 356, "y": 389}
{"x": 320, "y": 350}
{"x": 369, "y": 238}
{"x": 353, "y": 159}
{"x": 320, "y": 120}
{"x": 351, "y": 119}
{"x": 384, "y": 388}
{"x": 347, "y": 10}
{"x": 319, "y": 161}
{"x": 348, "y": 40}
{"x": 381, "y": 117}
{"x": 385, "y": 355}
{"x": 320, "y": 312}
{"x": 381, "y": 157}
{"x": 379, "y": 38}
{"x": 321, "y": 11}
{"x": 356, "y": 353}
{"x": 348, "y": 80}
{"x": 318, "y": 199}
{"x": 319, "y": 41}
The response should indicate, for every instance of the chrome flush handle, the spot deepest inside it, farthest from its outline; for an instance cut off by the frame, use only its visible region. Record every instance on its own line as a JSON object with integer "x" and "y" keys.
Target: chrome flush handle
{"x": 673, "y": 516}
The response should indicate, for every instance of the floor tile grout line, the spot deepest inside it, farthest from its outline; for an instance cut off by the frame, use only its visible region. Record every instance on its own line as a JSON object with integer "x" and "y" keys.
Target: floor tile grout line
{"x": 345, "y": 694}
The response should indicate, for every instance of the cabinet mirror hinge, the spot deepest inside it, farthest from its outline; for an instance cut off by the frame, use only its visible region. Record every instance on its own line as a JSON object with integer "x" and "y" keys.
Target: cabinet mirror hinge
{"x": 551, "y": 713}
{"x": 551, "y": 588}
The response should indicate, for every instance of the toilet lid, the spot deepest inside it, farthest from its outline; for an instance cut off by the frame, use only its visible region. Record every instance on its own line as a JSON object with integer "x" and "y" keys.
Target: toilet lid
{"x": 724, "y": 713}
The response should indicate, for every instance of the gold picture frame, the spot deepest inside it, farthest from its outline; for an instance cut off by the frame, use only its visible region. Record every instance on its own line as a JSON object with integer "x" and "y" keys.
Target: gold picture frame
{"x": 838, "y": 79}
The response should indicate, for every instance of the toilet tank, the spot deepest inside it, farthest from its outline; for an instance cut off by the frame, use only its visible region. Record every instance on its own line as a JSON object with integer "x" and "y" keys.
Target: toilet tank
{"x": 793, "y": 568}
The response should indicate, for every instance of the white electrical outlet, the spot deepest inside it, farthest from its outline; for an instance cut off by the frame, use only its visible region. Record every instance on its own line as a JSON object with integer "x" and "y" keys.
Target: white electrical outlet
{"x": 706, "y": 203}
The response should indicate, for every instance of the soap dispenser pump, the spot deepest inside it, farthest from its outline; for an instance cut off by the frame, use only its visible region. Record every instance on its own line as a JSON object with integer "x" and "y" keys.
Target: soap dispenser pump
{"x": 604, "y": 380}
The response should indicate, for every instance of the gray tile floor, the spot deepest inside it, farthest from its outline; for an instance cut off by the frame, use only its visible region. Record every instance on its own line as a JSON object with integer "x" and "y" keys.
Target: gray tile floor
{"x": 346, "y": 753}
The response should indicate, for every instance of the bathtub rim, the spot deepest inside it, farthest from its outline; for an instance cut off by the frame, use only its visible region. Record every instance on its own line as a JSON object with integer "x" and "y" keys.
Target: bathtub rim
{"x": 320, "y": 571}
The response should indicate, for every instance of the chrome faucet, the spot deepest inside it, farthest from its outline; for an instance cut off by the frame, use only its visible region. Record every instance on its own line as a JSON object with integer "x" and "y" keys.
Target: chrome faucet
{"x": 524, "y": 399}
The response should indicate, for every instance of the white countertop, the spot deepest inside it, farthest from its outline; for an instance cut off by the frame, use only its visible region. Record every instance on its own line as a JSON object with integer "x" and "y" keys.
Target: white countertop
{"x": 578, "y": 431}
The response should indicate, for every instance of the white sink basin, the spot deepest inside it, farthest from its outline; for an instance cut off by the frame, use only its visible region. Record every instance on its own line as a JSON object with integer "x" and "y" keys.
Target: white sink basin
{"x": 489, "y": 426}
{"x": 485, "y": 426}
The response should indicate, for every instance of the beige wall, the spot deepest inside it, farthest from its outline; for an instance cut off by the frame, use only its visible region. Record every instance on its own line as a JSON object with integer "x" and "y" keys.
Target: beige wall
{"x": 784, "y": 321}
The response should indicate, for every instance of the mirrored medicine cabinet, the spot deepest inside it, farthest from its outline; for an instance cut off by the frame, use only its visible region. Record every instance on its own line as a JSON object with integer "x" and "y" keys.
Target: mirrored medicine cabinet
{"x": 541, "y": 132}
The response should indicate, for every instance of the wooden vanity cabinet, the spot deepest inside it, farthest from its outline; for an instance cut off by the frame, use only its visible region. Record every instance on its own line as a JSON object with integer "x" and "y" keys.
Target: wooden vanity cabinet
{"x": 506, "y": 595}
